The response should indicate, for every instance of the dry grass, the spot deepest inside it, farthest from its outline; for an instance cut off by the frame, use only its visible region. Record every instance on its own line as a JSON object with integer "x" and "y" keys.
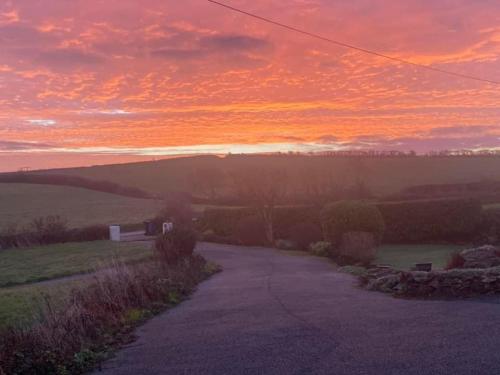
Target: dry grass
{"x": 72, "y": 337}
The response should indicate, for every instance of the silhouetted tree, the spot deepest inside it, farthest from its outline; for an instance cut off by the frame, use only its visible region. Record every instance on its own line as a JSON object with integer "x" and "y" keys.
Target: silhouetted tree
{"x": 263, "y": 189}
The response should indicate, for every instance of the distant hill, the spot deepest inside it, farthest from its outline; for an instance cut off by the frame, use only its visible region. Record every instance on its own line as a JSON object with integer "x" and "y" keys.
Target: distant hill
{"x": 21, "y": 203}
{"x": 383, "y": 175}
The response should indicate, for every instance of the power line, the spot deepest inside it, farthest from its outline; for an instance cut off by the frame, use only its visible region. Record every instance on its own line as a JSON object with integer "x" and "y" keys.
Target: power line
{"x": 346, "y": 45}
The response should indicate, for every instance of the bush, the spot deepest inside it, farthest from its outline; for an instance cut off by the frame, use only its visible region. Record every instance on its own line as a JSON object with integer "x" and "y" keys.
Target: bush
{"x": 90, "y": 233}
{"x": 356, "y": 248}
{"x": 321, "y": 248}
{"x": 351, "y": 216}
{"x": 176, "y": 245}
{"x": 250, "y": 231}
{"x": 304, "y": 234}
{"x": 285, "y": 244}
{"x": 49, "y": 230}
{"x": 456, "y": 261}
{"x": 450, "y": 220}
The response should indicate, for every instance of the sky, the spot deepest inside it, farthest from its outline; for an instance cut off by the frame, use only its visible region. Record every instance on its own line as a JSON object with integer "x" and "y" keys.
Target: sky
{"x": 91, "y": 81}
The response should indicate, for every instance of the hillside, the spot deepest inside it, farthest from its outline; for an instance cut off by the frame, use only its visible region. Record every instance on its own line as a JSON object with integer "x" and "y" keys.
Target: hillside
{"x": 383, "y": 175}
{"x": 20, "y": 203}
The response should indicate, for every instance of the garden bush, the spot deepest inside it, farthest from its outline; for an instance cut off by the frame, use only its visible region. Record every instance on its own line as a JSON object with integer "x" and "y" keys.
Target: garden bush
{"x": 321, "y": 248}
{"x": 285, "y": 244}
{"x": 176, "y": 245}
{"x": 356, "y": 248}
{"x": 304, "y": 234}
{"x": 351, "y": 216}
{"x": 455, "y": 261}
{"x": 449, "y": 220}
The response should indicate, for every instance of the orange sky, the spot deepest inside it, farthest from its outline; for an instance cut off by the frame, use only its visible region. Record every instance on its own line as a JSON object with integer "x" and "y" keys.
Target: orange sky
{"x": 85, "y": 82}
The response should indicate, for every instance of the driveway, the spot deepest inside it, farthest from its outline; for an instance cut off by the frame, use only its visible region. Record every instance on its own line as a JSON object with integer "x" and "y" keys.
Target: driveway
{"x": 270, "y": 312}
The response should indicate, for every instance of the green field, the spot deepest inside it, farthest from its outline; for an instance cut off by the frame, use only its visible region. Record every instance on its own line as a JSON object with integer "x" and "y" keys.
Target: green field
{"x": 21, "y": 266}
{"x": 21, "y": 203}
{"x": 405, "y": 256}
{"x": 22, "y": 270}
{"x": 382, "y": 175}
{"x": 19, "y": 305}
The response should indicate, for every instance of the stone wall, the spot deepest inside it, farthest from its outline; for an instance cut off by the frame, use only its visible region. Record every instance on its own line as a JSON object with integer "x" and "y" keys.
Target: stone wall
{"x": 450, "y": 283}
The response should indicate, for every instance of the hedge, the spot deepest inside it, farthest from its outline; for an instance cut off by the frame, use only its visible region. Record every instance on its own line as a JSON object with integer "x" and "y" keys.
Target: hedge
{"x": 450, "y": 220}
{"x": 343, "y": 217}
{"x": 447, "y": 220}
{"x": 225, "y": 222}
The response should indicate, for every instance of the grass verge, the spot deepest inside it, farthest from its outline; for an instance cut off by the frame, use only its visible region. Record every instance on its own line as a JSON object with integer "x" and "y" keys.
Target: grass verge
{"x": 72, "y": 336}
{"x": 22, "y": 266}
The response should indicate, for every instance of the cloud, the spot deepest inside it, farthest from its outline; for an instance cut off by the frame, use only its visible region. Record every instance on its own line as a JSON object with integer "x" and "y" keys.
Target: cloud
{"x": 463, "y": 130}
{"x": 234, "y": 43}
{"x": 24, "y": 146}
{"x": 9, "y": 17}
{"x": 194, "y": 47}
{"x": 69, "y": 57}
{"x": 42, "y": 122}
{"x": 328, "y": 139}
{"x": 425, "y": 144}
{"x": 179, "y": 54}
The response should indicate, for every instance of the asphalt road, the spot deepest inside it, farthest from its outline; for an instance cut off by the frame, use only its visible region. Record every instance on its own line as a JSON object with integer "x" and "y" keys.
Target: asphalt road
{"x": 273, "y": 313}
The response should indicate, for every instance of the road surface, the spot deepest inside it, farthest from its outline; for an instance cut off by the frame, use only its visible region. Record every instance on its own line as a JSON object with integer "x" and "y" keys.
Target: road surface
{"x": 273, "y": 313}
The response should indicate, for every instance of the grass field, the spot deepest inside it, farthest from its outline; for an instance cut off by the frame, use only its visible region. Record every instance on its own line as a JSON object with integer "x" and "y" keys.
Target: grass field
{"x": 20, "y": 203}
{"x": 19, "y": 305}
{"x": 382, "y": 175}
{"x": 21, "y": 266}
{"x": 21, "y": 272}
{"x": 405, "y": 256}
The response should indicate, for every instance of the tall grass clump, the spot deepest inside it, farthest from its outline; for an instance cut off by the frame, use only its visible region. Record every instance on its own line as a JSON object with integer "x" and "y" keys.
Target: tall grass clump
{"x": 75, "y": 336}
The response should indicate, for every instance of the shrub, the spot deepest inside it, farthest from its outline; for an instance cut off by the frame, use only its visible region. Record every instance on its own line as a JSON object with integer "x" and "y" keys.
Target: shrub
{"x": 176, "y": 245}
{"x": 250, "y": 231}
{"x": 356, "y": 248}
{"x": 456, "y": 261}
{"x": 48, "y": 230}
{"x": 285, "y": 244}
{"x": 321, "y": 248}
{"x": 304, "y": 234}
{"x": 90, "y": 233}
{"x": 351, "y": 216}
{"x": 451, "y": 220}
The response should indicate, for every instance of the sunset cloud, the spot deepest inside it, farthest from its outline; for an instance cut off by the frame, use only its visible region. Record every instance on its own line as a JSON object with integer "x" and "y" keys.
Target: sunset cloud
{"x": 160, "y": 77}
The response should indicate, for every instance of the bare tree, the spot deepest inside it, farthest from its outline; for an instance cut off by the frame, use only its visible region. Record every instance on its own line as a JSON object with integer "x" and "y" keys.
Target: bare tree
{"x": 320, "y": 185}
{"x": 263, "y": 189}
